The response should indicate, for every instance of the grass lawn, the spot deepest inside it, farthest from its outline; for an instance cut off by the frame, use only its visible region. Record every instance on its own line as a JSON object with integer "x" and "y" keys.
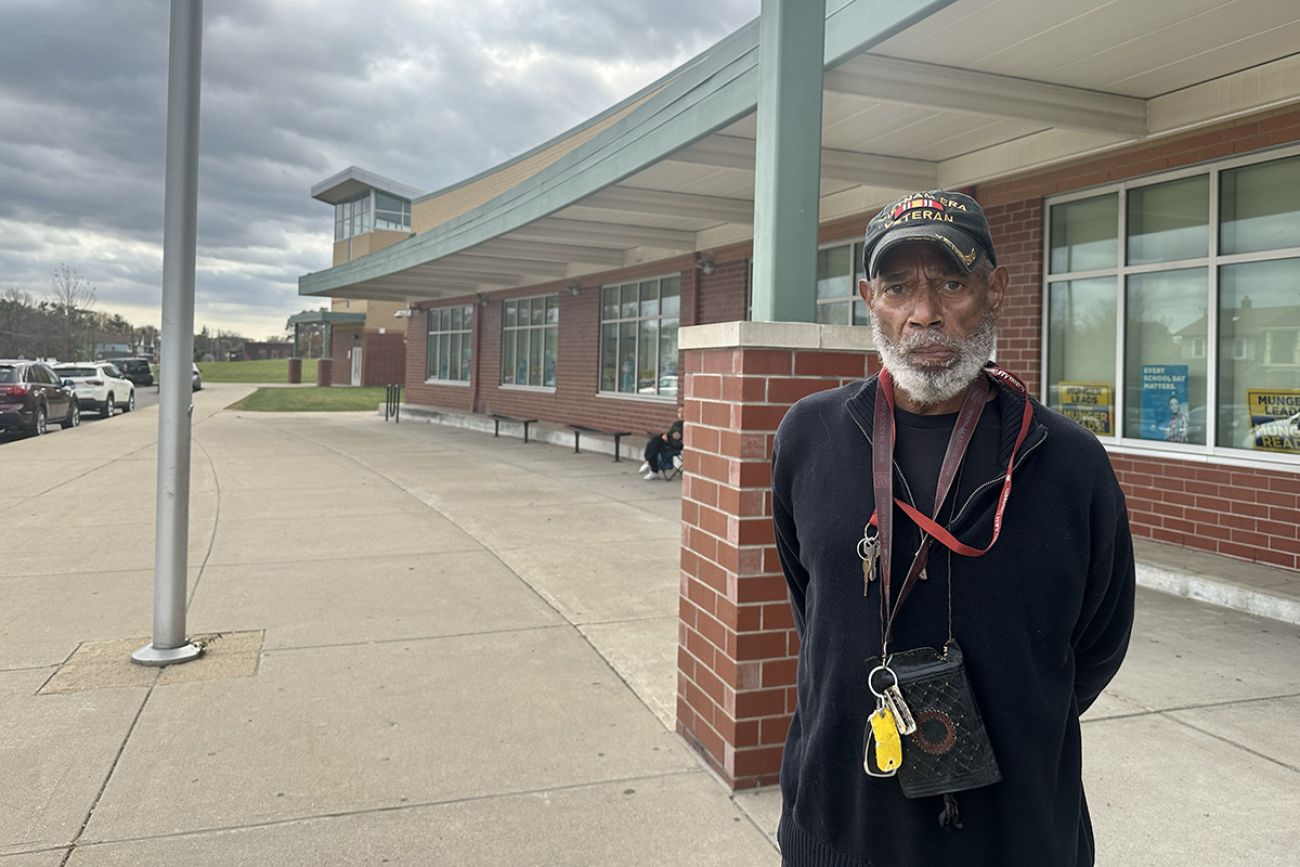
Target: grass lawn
{"x": 271, "y": 370}
{"x": 312, "y": 399}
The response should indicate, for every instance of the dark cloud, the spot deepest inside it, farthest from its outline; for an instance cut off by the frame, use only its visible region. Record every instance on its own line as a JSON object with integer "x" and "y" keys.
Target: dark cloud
{"x": 294, "y": 90}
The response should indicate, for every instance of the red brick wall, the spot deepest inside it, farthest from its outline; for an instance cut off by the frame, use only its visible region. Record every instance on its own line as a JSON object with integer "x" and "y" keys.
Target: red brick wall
{"x": 1245, "y": 513}
{"x": 724, "y": 294}
{"x": 383, "y": 359}
{"x": 1018, "y": 238}
{"x": 737, "y": 646}
{"x": 574, "y": 399}
{"x": 1251, "y": 514}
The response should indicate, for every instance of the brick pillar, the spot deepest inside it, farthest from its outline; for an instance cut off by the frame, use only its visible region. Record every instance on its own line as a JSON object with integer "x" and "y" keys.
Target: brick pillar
{"x": 325, "y": 371}
{"x": 295, "y": 371}
{"x": 737, "y": 648}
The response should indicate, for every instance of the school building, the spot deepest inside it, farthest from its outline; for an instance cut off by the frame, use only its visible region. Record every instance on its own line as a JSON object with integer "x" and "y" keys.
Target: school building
{"x": 693, "y": 251}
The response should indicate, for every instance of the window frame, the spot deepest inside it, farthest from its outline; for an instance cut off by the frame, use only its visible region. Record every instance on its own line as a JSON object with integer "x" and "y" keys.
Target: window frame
{"x": 466, "y": 331}
{"x": 404, "y": 213}
{"x": 530, "y": 327}
{"x": 856, "y": 273}
{"x": 1118, "y": 442}
{"x": 621, "y": 320}
{"x": 364, "y": 212}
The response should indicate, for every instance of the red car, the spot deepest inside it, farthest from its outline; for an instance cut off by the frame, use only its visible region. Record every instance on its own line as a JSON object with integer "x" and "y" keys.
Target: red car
{"x": 31, "y": 395}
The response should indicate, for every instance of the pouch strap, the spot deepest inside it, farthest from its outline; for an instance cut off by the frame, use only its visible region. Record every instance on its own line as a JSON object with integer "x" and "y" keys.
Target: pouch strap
{"x": 882, "y": 480}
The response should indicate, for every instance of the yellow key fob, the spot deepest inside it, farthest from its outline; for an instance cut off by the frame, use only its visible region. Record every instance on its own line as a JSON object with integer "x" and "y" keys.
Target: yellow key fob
{"x": 889, "y": 746}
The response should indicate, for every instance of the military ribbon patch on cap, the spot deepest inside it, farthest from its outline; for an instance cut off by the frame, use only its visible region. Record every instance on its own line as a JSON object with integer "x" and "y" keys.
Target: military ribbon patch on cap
{"x": 914, "y": 203}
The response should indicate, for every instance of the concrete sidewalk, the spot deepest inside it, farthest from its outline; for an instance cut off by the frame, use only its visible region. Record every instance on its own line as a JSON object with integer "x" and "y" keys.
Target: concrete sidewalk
{"x": 436, "y": 647}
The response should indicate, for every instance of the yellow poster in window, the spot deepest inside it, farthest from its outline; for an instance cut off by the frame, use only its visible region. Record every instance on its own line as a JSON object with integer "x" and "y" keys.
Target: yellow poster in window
{"x": 1274, "y": 419}
{"x": 1088, "y": 403}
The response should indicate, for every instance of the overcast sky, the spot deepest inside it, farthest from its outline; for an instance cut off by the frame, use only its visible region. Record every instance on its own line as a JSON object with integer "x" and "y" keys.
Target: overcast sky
{"x": 426, "y": 92}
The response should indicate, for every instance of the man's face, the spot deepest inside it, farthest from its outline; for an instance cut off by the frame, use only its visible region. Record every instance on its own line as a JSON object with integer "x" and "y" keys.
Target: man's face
{"x": 934, "y": 326}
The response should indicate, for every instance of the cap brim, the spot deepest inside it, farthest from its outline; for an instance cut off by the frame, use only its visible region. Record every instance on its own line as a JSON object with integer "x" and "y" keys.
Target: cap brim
{"x": 961, "y": 247}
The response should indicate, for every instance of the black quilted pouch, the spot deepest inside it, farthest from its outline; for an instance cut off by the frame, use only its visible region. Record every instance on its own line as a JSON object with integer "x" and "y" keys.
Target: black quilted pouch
{"x": 950, "y": 750}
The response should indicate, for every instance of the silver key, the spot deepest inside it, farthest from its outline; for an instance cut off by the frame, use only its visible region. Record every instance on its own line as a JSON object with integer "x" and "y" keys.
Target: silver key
{"x": 869, "y": 551}
{"x": 893, "y": 698}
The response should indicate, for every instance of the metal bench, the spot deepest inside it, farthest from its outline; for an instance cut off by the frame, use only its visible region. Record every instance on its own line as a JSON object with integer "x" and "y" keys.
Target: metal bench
{"x": 580, "y": 429}
{"x": 497, "y": 419}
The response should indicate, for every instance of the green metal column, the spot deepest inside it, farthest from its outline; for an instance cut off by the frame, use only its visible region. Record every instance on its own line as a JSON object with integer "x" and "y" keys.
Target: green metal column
{"x": 787, "y": 171}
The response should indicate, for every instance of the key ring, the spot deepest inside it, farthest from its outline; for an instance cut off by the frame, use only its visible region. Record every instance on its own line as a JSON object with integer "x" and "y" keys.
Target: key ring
{"x": 871, "y": 682}
{"x": 867, "y": 547}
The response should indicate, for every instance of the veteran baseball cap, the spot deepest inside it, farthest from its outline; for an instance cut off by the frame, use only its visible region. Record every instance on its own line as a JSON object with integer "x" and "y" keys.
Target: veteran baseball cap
{"x": 953, "y": 221}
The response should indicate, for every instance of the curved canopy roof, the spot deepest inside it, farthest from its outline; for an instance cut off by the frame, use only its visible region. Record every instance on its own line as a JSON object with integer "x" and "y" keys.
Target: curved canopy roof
{"x": 916, "y": 94}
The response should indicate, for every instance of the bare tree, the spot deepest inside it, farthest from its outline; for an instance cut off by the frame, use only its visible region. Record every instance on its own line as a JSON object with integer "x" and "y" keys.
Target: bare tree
{"x": 17, "y": 312}
{"x": 71, "y": 298}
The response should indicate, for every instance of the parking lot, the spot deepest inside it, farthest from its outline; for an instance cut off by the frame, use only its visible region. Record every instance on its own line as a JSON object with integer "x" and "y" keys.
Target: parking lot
{"x": 145, "y": 396}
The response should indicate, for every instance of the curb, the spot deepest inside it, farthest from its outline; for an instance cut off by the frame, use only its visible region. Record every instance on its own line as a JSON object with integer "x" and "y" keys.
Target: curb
{"x": 1219, "y": 591}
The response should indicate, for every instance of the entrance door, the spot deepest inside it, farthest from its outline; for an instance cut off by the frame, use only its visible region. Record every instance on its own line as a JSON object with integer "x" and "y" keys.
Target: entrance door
{"x": 356, "y": 365}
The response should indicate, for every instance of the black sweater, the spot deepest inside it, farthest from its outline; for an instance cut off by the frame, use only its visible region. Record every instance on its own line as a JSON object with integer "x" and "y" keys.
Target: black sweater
{"x": 1043, "y": 621}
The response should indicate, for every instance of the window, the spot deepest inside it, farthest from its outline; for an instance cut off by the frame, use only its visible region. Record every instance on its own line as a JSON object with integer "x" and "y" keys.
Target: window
{"x": 638, "y": 337}
{"x": 1164, "y": 381}
{"x": 529, "y": 336}
{"x": 392, "y": 212}
{"x": 449, "y": 343}
{"x": 1173, "y": 308}
{"x": 352, "y": 217}
{"x": 838, "y": 271}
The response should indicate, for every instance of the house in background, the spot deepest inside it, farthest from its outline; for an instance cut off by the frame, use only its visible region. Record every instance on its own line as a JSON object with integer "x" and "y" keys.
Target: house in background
{"x": 252, "y": 350}
{"x": 110, "y": 346}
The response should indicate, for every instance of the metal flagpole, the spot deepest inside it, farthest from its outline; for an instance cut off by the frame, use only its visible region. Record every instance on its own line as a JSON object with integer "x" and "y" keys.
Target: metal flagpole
{"x": 180, "y": 210}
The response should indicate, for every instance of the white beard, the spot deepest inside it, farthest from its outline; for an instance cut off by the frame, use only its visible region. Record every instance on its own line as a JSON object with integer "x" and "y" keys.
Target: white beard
{"x": 935, "y": 384}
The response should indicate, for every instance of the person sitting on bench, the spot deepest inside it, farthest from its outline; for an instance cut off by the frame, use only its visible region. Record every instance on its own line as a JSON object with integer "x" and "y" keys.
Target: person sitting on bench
{"x": 663, "y": 452}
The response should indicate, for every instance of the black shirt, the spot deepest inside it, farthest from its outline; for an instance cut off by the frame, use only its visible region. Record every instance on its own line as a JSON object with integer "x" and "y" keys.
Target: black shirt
{"x": 921, "y": 442}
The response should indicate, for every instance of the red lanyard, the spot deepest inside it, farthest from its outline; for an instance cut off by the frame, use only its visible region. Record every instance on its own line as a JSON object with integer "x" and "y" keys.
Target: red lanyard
{"x": 882, "y": 477}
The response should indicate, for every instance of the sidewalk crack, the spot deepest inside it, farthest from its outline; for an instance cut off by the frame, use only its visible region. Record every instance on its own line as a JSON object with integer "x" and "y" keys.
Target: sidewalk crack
{"x": 72, "y": 847}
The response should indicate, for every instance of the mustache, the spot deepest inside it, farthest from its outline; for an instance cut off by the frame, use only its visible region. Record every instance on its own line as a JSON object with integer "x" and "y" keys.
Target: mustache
{"x": 920, "y": 340}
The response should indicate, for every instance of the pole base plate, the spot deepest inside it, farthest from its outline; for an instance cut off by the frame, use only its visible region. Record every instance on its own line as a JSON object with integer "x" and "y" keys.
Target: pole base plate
{"x": 150, "y": 655}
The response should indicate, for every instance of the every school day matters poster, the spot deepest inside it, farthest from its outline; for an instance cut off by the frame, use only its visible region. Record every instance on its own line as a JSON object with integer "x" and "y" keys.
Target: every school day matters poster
{"x": 1162, "y": 418}
{"x": 1271, "y": 413}
{"x": 1088, "y": 403}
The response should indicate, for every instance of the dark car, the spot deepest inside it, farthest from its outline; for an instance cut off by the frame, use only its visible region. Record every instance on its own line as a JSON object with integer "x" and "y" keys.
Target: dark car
{"x": 31, "y": 396}
{"x": 138, "y": 370}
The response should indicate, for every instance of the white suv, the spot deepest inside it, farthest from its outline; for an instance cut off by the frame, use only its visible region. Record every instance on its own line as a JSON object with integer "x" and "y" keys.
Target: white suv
{"x": 99, "y": 384}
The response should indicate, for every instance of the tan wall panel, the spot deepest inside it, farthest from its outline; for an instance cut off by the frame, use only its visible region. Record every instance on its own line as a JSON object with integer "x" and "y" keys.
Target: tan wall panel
{"x": 340, "y": 252}
{"x": 381, "y": 314}
{"x": 381, "y": 238}
{"x": 434, "y": 211}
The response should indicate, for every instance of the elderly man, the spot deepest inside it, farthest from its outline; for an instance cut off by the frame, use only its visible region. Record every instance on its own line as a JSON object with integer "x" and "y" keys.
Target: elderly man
{"x": 951, "y": 639}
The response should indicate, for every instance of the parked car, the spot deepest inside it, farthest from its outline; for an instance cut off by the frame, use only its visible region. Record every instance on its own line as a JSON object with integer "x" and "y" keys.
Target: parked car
{"x": 138, "y": 370}
{"x": 196, "y": 378}
{"x": 31, "y": 394}
{"x": 100, "y": 385}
